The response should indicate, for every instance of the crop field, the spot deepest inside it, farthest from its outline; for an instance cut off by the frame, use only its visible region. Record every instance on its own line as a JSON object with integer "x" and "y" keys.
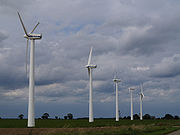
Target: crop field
{"x": 83, "y": 127}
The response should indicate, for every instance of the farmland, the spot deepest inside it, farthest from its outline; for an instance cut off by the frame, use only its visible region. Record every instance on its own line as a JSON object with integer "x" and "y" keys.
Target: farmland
{"x": 83, "y": 127}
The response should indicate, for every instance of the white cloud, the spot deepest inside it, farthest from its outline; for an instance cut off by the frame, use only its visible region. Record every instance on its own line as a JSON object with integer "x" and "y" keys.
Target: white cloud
{"x": 140, "y": 68}
{"x": 16, "y": 94}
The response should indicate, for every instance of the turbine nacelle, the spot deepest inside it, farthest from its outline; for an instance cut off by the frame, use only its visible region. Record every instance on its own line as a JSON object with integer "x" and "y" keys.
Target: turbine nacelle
{"x": 131, "y": 88}
{"x": 91, "y": 66}
{"x": 116, "y": 80}
{"x": 33, "y": 36}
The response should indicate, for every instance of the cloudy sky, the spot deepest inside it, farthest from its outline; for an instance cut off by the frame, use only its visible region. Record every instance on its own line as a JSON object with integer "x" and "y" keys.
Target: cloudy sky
{"x": 137, "y": 40}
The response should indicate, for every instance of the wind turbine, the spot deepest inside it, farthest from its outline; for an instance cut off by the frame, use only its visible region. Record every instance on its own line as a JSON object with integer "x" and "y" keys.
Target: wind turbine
{"x": 32, "y": 37}
{"x": 141, "y": 97}
{"x": 131, "y": 90}
{"x": 89, "y": 66}
{"x": 116, "y": 81}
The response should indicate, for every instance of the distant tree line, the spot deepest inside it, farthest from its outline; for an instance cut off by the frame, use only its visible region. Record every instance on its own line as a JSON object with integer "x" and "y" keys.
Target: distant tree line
{"x": 46, "y": 116}
{"x": 21, "y": 116}
{"x": 68, "y": 116}
{"x": 149, "y": 117}
{"x": 135, "y": 116}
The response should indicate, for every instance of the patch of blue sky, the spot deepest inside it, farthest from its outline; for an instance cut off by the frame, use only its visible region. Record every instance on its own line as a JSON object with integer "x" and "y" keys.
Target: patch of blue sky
{"x": 74, "y": 27}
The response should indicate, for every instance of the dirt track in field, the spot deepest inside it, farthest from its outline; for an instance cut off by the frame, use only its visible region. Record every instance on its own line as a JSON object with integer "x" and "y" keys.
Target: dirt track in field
{"x": 175, "y": 133}
{"x": 45, "y": 131}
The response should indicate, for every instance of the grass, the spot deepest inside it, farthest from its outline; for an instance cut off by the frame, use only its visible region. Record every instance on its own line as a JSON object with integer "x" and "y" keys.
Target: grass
{"x": 99, "y": 126}
{"x": 118, "y": 131}
{"x": 80, "y": 123}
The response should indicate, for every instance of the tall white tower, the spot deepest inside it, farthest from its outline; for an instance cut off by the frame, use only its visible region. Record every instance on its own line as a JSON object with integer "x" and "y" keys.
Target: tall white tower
{"x": 89, "y": 66}
{"x": 131, "y": 90}
{"x": 116, "y": 81}
{"x": 32, "y": 37}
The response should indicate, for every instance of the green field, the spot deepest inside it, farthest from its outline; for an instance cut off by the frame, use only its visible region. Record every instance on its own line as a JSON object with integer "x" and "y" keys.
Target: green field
{"x": 99, "y": 127}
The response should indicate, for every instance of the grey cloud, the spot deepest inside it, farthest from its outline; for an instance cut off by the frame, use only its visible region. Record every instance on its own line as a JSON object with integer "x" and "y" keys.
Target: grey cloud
{"x": 139, "y": 33}
{"x": 149, "y": 38}
{"x": 168, "y": 67}
{"x": 3, "y": 36}
{"x": 9, "y": 6}
{"x": 125, "y": 34}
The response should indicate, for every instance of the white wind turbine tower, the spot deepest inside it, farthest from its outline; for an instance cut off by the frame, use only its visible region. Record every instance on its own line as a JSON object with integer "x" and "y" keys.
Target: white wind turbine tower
{"x": 116, "y": 81}
{"x": 32, "y": 37}
{"x": 131, "y": 90}
{"x": 141, "y": 97}
{"x": 89, "y": 66}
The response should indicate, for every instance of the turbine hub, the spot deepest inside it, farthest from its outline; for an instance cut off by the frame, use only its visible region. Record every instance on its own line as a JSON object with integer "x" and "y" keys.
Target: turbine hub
{"x": 91, "y": 66}
{"x": 33, "y": 36}
{"x": 117, "y": 80}
{"x": 131, "y": 88}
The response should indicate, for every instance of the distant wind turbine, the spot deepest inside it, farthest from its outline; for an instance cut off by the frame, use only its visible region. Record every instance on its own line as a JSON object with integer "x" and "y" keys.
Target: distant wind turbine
{"x": 116, "y": 81}
{"x": 32, "y": 37}
{"x": 89, "y": 66}
{"x": 130, "y": 90}
{"x": 141, "y": 97}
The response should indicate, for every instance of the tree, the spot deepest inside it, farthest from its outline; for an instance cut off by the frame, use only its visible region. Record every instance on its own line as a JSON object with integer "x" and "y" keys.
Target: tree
{"x": 153, "y": 117}
{"x": 21, "y": 116}
{"x": 45, "y": 116}
{"x": 136, "y": 116}
{"x": 147, "y": 116}
{"x": 70, "y": 116}
{"x": 168, "y": 116}
{"x": 56, "y": 117}
{"x": 176, "y": 117}
{"x": 65, "y": 117}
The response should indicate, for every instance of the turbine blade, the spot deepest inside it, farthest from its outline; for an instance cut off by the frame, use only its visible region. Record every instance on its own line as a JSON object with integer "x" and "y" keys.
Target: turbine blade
{"x": 142, "y": 91}
{"x": 142, "y": 95}
{"x": 90, "y": 55}
{"x": 22, "y": 24}
{"x": 88, "y": 71}
{"x": 27, "y": 56}
{"x": 35, "y": 27}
